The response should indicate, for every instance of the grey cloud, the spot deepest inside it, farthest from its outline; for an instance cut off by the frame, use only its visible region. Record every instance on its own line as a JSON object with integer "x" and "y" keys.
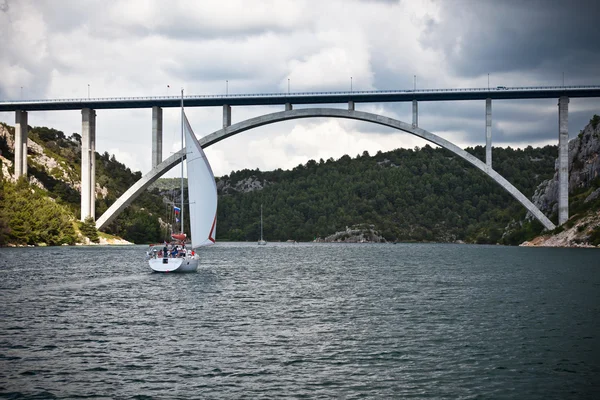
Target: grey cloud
{"x": 181, "y": 23}
{"x": 24, "y": 53}
{"x": 191, "y": 31}
{"x": 208, "y": 71}
{"x": 469, "y": 118}
{"x": 478, "y": 37}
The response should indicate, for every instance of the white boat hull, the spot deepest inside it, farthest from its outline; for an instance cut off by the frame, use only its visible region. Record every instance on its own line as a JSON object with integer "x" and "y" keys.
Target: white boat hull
{"x": 183, "y": 264}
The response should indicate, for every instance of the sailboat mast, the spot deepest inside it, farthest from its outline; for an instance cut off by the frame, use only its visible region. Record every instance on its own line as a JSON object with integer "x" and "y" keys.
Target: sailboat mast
{"x": 182, "y": 148}
{"x": 261, "y": 224}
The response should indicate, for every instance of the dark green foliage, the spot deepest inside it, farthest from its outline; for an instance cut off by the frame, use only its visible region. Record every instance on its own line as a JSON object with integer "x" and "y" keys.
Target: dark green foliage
{"x": 595, "y": 236}
{"x": 595, "y": 120}
{"x": 111, "y": 175}
{"x": 577, "y": 204}
{"x": 527, "y": 231}
{"x": 32, "y": 217}
{"x": 424, "y": 194}
{"x": 142, "y": 228}
{"x": 5, "y": 151}
{"x": 4, "y": 230}
{"x": 88, "y": 229}
{"x": 421, "y": 194}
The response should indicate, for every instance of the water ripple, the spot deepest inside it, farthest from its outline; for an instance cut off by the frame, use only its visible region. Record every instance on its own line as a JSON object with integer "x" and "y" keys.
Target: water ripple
{"x": 302, "y": 321}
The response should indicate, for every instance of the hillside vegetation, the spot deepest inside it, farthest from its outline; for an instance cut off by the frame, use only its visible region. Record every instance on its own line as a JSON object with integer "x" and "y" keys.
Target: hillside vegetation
{"x": 420, "y": 194}
{"x": 36, "y": 211}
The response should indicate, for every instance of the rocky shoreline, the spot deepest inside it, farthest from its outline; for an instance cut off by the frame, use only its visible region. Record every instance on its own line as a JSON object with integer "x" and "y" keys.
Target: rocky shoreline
{"x": 584, "y": 170}
{"x": 575, "y": 236}
{"x": 354, "y": 234}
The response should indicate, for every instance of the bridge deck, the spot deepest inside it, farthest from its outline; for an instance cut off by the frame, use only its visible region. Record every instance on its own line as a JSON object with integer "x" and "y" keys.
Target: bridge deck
{"x": 379, "y": 96}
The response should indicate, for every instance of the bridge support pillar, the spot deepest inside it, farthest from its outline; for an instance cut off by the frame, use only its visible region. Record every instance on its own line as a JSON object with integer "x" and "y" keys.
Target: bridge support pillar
{"x": 563, "y": 159}
{"x": 351, "y": 105}
{"x": 415, "y": 113}
{"x": 226, "y": 115}
{"x": 488, "y": 132}
{"x": 21, "y": 134}
{"x": 157, "y": 130}
{"x": 288, "y": 107}
{"x": 88, "y": 163}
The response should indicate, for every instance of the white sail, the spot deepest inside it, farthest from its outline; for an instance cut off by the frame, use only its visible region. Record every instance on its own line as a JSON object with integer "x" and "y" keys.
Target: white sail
{"x": 202, "y": 192}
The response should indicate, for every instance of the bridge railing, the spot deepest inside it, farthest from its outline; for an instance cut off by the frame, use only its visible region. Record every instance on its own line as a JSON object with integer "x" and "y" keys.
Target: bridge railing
{"x": 301, "y": 94}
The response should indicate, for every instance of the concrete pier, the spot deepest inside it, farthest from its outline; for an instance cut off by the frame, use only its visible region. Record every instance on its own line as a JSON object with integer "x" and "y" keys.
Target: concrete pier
{"x": 88, "y": 163}
{"x": 226, "y": 115}
{"x": 157, "y": 135}
{"x": 415, "y": 113}
{"x": 288, "y": 107}
{"x": 351, "y": 105}
{"x": 21, "y": 134}
{"x": 488, "y": 132}
{"x": 93, "y": 167}
{"x": 563, "y": 159}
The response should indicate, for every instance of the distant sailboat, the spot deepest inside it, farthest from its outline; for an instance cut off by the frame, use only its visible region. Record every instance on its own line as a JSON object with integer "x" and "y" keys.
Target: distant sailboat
{"x": 202, "y": 196}
{"x": 261, "y": 241}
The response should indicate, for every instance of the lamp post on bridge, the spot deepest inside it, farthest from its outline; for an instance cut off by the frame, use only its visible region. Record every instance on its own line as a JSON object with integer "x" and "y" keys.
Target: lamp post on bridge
{"x": 350, "y": 84}
{"x": 88, "y": 90}
{"x": 288, "y": 86}
{"x": 226, "y": 87}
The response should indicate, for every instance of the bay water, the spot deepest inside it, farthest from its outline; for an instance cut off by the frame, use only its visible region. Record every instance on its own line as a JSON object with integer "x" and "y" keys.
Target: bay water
{"x": 305, "y": 320}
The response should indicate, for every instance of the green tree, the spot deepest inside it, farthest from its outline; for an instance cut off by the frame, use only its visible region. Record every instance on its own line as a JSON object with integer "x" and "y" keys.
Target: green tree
{"x": 88, "y": 229}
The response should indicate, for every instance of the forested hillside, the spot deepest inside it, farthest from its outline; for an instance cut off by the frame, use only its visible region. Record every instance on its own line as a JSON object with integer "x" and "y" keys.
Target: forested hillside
{"x": 54, "y": 189}
{"x": 423, "y": 194}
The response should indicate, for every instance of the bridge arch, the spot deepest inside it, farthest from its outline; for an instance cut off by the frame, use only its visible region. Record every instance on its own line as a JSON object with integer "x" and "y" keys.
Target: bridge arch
{"x": 122, "y": 202}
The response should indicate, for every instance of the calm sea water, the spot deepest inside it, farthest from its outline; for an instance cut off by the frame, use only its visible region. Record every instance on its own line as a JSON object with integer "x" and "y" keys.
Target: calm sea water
{"x": 302, "y": 321}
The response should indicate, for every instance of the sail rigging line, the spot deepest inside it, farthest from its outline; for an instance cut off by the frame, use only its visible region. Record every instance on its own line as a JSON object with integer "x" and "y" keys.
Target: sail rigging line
{"x": 167, "y": 222}
{"x": 182, "y": 147}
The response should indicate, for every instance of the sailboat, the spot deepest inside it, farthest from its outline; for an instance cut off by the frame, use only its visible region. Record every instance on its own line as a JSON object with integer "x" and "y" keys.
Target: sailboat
{"x": 261, "y": 241}
{"x": 202, "y": 199}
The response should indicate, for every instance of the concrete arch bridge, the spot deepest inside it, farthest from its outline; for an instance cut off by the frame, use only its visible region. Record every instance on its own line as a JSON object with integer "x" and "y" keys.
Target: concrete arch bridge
{"x": 161, "y": 168}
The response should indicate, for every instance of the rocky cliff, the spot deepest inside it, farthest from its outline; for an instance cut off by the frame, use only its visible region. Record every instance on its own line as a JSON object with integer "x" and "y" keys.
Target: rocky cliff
{"x": 249, "y": 184}
{"x": 584, "y": 167}
{"x": 51, "y": 168}
{"x": 583, "y": 227}
{"x": 37, "y": 156}
{"x": 582, "y": 233}
{"x": 362, "y": 233}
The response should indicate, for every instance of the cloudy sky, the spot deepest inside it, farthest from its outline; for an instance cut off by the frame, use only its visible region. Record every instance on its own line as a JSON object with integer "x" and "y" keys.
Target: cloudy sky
{"x": 62, "y": 49}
